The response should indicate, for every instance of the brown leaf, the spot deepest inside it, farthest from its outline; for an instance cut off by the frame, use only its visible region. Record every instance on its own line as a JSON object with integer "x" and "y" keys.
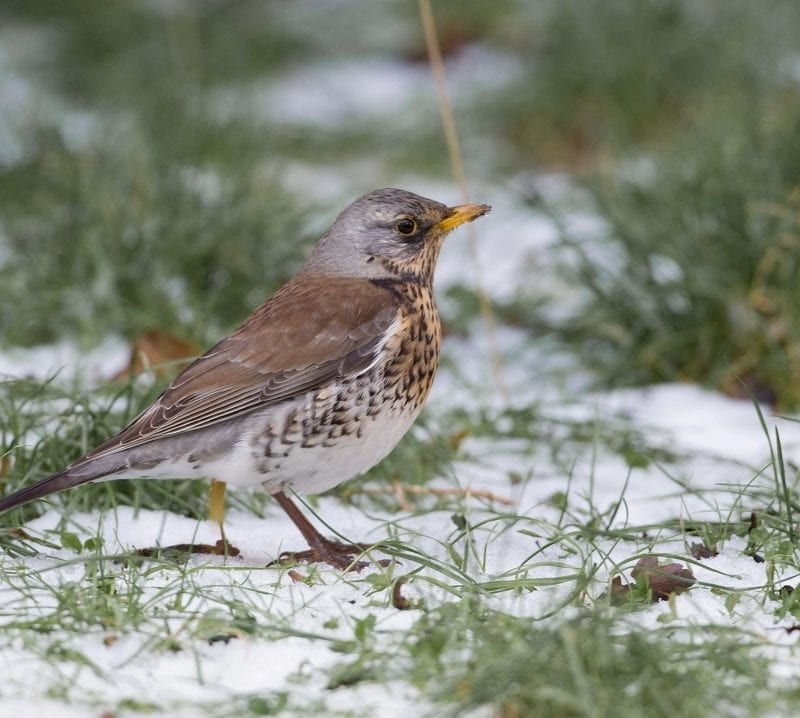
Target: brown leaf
{"x": 701, "y": 551}
{"x": 453, "y": 37}
{"x": 20, "y": 534}
{"x": 750, "y": 550}
{"x": 399, "y": 601}
{"x": 750, "y": 385}
{"x": 296, "y": 576}
{"x": 159, "y": 351}
{"x": 618, "y": 592}
{"x": 5, "y": 468}
{"x": 753, "y": 522}
{"x": 663, "y": 579}
{"x": 455, "y": 439}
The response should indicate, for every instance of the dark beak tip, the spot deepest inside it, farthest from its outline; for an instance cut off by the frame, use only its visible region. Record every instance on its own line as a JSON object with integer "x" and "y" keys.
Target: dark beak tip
{"x": 480, "y": 211}
{"x": 462, "y": 214}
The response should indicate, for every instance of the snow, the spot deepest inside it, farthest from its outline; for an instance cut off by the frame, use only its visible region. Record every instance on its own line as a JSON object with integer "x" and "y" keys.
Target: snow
{"x": 67, "y": 361}
{"x": 719, "y": 448}
{"x": 720, "y": 454}
{"x": 350, "y": 90}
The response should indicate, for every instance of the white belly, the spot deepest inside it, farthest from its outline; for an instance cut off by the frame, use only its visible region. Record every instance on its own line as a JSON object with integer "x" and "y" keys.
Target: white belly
{"x": 313, "y": 469}
{"x": 304, "y": 469}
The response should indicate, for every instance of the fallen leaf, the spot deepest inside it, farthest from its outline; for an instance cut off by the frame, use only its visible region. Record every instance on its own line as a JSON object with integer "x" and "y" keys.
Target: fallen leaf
{"x": 751, "y": 542}
{"x": 701, "y": 551}
{"x": 455, "y": 440}
{"x": 753, "y": 521}
{"x": 618, "y": 592}
{"x": 750, "y": 385}
{"x": 453, "y": 38}
{"x": 20, "y": 534}
{"x": 662, "y": 579}
{"x": 158, "y": 351}
{"x": 399, "y": 601}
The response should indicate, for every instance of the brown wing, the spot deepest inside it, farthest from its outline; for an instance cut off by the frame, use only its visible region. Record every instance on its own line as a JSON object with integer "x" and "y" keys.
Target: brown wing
{"x": 308, "y": 334}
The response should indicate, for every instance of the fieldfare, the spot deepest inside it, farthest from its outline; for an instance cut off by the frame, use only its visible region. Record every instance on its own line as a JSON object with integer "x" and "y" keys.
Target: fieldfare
{"x": 316, "y": 386}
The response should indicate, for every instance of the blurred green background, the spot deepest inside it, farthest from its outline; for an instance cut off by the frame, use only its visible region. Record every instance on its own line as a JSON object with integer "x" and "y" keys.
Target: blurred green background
{"x": 168, "y": 164}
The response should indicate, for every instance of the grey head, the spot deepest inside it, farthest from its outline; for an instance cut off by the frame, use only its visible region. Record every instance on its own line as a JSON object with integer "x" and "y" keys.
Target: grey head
{"x": 388, "y": 233}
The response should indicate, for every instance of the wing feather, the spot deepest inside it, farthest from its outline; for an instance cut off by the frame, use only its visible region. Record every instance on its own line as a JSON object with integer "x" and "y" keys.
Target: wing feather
{"x": 310, "y": 333}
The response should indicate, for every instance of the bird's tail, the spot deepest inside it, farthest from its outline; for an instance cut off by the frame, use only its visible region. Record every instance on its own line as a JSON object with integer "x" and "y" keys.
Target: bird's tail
{"x": 51, "y": 485}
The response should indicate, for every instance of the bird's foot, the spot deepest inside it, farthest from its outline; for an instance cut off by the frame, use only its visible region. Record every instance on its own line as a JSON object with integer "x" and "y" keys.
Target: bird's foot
{"x": 334, "y": 553}
{"x": 220, "y": 548}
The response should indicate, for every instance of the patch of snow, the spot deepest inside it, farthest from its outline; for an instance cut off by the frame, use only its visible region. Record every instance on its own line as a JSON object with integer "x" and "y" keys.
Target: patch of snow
{"x": 719, "y": 447}
{"x": 332, "y": 94}
{"x": 700, "y": 421}
{"x": 67, "y": 360}
{"x": 328, "y": 94}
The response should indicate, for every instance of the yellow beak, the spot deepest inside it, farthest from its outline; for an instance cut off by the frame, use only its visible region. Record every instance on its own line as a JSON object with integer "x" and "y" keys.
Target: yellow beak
{"x": 461, "y": 214}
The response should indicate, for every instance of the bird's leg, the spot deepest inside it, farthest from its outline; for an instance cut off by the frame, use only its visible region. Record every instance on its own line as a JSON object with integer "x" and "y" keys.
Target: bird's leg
{"x": 335, "y": 553}
{"x": 216, "y": 511}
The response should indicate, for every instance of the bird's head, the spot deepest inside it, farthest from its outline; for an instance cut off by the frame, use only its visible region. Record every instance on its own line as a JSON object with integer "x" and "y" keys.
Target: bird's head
{"x": 389, "y": 233}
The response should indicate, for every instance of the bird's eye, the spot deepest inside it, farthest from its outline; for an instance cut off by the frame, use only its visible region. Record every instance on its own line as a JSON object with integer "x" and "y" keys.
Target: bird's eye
{"x": 406, "y": 226}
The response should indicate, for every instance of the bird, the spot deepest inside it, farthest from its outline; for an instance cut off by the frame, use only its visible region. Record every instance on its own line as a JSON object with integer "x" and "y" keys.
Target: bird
{"x": 315, "y": 387}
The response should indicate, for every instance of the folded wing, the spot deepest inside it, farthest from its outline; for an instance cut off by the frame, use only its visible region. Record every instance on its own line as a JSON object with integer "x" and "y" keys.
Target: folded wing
{"x": 309, "y": 334}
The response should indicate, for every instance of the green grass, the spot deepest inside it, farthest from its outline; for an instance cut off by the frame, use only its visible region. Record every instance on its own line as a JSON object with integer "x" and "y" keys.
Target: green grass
{"x": 591, "y": 665}
{"x": 124, "y": 251}
{"x": 687, "y": 140}
{"x": 467, "y": 643}
{"x": 167, "y": 212}
{"x": 46, "y": 426}
{"x": 599, "y": 79}
{"x": 694, "y": 278}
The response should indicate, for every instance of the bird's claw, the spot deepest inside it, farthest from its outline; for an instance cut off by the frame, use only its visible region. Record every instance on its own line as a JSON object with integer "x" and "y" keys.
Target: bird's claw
{"x": 334, "y": 553}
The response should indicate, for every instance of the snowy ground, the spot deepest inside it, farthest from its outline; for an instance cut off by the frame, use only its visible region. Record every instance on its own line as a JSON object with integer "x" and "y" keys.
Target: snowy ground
{"x": 719, "y": 455}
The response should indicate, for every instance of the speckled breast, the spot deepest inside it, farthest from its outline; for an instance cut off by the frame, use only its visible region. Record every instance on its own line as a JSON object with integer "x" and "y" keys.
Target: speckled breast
{"x": 328, "y": 436}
